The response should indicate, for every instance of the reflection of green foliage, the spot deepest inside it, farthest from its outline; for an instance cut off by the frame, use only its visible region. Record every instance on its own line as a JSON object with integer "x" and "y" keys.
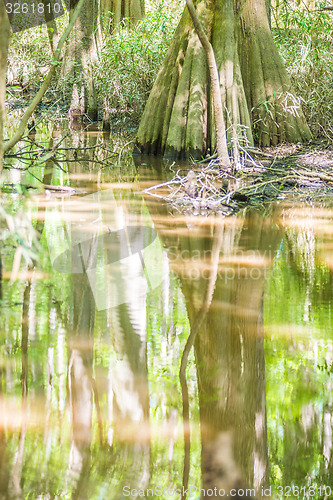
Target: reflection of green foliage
{"x": 167, "y": 334}
{"x": 46, "y": 458}
{"x": 298, "y": 375}
{"x": 16, "y": 230}
{"x": 131, "y": 59}
{"x": 298, "y": 306}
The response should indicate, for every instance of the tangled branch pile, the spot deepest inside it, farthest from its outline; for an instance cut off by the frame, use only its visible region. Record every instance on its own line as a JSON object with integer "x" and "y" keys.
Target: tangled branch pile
{"x": 207, "y": 190}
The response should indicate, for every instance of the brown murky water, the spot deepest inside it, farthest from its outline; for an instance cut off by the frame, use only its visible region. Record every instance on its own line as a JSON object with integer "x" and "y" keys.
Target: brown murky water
{"x": 121, "y": 289}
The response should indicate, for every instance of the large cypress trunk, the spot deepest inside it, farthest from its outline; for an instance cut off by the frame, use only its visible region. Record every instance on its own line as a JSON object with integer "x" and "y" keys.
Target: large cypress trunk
{"x": 258, "y": 100}
{"x": 82, "y": 44}
{"x": 86, "y": 40}
{"x": 82, "y": 52}
{"x": 114, "y": 11}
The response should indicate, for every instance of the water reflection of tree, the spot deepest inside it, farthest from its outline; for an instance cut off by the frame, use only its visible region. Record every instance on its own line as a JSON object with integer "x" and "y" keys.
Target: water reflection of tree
{"x": 128, "y": 378}
{"x": 16, "y": 475}
{"x": 127, "y": 381}
{"x": 4, "y": 465}
{"x": 231, "y": 365}
{"x": 13, "y": 482}
{"x": 128, "y": 371}
{"x": 80, "y": 382}
{"x": 65, "y": 306}
{"x": 229, "y": 348}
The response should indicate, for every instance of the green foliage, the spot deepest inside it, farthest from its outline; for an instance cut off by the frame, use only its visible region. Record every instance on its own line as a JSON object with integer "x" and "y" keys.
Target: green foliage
{"x": 17, "y": 231}
{"x": 29, "y": 56}
{"x": 304, "y": 38}
{"x": 29, "y": 60}
{"x": 124, "y": 72}
{"x": 130, "y": 60}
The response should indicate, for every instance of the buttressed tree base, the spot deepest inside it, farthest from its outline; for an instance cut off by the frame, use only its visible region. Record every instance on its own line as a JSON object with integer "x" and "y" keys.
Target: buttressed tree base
{"x": 257, "y": 96}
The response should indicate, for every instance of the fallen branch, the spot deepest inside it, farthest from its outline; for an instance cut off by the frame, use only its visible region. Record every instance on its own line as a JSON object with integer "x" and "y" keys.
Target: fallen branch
{"x": 168, "y": 183}
{"x": 49, "y": 187}
{"x": 51, "y": 152}
{"x": 319, "y": 175}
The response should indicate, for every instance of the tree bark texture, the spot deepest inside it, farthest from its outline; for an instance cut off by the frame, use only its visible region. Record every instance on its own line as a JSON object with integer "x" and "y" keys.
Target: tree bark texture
{"x": 86, "y": 39}
{"x": 51, "y": 25}
{"x": 133, "y": 10}
{"x": 82, "y": 45}
{"x": 257, "y": 97}
{"x": 82, "y": 51}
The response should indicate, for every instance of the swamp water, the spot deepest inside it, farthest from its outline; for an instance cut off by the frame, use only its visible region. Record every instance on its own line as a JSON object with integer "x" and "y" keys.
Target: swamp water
{"x": 92, "y": 333}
